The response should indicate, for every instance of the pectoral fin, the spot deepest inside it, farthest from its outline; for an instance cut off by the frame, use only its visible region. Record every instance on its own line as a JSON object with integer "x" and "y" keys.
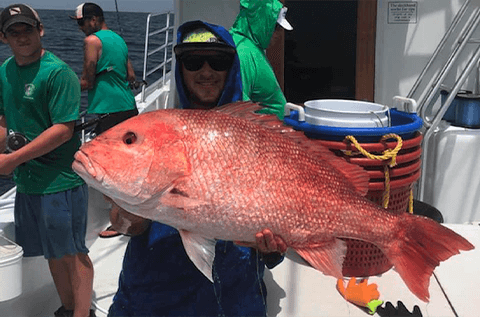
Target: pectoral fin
{"x": 326, "y": 257}
{"x": 200, "y": 250}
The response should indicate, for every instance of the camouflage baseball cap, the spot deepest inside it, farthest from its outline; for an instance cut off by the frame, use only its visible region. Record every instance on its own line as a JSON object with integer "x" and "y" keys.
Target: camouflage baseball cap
{"x": 200, "y": 38}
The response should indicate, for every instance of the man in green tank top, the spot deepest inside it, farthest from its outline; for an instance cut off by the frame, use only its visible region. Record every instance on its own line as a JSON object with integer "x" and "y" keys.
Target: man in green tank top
{"x": 107, "y": 73}
{"x": 107, "y": 70}
{"x": 39, "y": 103}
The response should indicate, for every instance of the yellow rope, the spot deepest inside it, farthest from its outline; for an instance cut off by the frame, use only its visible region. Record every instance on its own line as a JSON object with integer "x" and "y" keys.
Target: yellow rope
{"x": 386, "y": 192}
{"x": 410, "y": 203}
{"x": 388, "y": 154}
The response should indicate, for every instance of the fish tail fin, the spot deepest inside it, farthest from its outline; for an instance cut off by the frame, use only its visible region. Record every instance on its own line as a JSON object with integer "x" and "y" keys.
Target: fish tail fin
{"x": 422, "y": 244}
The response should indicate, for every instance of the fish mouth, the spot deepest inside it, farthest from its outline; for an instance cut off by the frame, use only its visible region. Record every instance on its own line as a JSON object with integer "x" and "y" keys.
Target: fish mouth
{"x": 83, "y": 166}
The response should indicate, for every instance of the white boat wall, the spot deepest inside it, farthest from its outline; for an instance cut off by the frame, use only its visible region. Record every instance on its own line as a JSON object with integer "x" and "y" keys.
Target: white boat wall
{"x": 407, "y": 34}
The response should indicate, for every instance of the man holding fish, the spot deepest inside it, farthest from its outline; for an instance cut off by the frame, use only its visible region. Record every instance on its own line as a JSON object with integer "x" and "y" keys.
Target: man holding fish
{"x": 228, "y": 173}
{"x": 158, "y": 277}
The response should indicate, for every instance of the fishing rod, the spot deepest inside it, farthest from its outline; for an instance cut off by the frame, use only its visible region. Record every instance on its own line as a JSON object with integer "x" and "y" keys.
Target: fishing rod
{"x": 135, "y": 84}
{"x": 17, "y": 140}
{"x": 118, "y": 18}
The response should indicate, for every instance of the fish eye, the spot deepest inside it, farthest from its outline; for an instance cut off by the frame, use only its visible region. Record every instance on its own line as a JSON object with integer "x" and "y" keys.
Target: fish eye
{"x": 129, "y": 138}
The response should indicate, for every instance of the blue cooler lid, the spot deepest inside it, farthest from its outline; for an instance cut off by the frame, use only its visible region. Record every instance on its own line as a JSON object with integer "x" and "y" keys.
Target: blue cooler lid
{"x": 402, "y": 123}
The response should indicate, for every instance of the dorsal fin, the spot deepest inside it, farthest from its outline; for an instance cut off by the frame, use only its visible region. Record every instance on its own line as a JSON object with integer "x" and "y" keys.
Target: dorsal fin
{"x": 356, "y": 175}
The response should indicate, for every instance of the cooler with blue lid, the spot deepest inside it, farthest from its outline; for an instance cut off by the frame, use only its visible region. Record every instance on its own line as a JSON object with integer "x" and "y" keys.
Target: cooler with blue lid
{"x": 367, "y": 123}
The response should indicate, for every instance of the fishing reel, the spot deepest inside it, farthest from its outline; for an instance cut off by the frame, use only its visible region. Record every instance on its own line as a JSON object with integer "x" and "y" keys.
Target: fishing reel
{"x": 15, "y": 141}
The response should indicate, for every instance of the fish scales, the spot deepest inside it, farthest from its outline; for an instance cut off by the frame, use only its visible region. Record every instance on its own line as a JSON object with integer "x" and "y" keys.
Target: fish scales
{"x": 213, "y": 175}
{"x": 262, "y": 183}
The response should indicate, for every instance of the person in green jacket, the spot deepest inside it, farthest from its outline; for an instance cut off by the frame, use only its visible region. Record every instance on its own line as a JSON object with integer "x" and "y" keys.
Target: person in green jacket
{"x": 252, "y": 32}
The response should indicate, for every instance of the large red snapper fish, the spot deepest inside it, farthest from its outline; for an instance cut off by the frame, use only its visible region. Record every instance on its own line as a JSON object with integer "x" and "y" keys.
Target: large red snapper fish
{"x": 214, "y": 175}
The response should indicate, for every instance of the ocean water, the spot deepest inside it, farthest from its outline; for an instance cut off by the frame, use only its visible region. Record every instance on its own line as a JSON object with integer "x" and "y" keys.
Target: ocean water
{"x": 64, "y": 39}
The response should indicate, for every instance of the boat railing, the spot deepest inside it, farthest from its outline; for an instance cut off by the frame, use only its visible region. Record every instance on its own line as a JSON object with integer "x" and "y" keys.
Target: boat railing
{"x": 164, "y": 48}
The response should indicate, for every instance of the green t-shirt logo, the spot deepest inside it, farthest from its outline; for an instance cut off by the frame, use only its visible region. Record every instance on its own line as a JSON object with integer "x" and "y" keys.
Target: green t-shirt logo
{"x": 29, "y": 90}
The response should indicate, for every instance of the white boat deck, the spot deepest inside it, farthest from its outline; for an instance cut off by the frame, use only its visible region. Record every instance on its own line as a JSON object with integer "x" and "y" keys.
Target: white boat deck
{"x": 298, "y": 290}
{"x": 294, "y": 289}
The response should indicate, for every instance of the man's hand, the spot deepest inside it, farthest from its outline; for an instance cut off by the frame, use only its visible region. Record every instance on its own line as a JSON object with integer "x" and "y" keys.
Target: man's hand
{"x": 7, "y": 165}
{"x": 266, "y": 242}
{"x": 125, "y": 222}
{"x": 44, "y": 143}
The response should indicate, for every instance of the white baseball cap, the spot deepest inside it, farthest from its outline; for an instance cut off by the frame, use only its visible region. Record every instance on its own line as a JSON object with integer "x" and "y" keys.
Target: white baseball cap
{"x": 283, "y": 21}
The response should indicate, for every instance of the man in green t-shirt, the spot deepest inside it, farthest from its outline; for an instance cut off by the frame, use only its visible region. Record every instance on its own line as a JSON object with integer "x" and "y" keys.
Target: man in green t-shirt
{"x": 107, "y": 73}
{"x": 39, "y": 103}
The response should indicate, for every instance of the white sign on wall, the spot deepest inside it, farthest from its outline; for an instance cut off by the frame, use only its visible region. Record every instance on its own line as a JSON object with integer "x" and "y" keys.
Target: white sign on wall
{"x": 402, "y": 12}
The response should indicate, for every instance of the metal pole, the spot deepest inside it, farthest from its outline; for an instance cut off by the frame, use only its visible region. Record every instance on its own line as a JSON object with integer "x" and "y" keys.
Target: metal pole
{"x": 443, "y": 74}
{"x": 118, "y": 18}
{"x": 454, "y": 24}
{"x": 166, "y": 48}
{"x": 147, "y": 31}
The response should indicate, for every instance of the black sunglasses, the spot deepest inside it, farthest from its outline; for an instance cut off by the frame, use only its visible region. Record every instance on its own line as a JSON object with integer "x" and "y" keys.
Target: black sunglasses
{"x": 219, "y": 63}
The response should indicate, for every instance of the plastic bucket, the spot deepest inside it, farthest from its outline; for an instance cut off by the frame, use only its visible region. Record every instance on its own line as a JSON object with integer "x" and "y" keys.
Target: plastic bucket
{"x": 363, "y": 258}
{"x": 346, "y": 113}
{"x": 10, "y": 269}
{"x": 408, "y": 160}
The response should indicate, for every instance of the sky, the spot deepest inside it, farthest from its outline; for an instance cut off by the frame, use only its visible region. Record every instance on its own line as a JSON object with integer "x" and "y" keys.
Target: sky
{"x": 107, "y": 5}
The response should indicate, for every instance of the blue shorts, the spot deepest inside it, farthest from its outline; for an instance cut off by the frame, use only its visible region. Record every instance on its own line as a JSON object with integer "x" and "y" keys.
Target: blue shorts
{"x": 52, "y": 225}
